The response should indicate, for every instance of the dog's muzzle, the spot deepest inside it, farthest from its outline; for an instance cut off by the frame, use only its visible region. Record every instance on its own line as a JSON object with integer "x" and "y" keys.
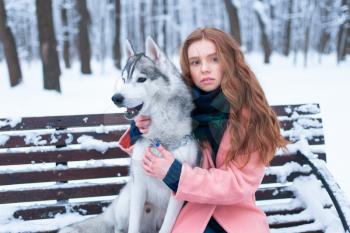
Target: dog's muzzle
{"x": 130, "y": 113}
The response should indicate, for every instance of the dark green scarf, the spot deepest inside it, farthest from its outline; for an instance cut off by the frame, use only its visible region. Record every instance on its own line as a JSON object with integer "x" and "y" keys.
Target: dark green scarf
{"x": 210, "y": 117}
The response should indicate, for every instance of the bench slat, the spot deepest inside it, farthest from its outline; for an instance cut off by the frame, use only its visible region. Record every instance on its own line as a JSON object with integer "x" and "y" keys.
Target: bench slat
{"x": 81, "y": 155}
{"x": 83, "y": 208}
{"x": 19, "y": 141}
{"x": 288, "y": 124}
{"x": 273, "y": 194}
{"x": 63, "y": 174}
{"x": 94, "y": 207}
{"x": 281, "y": 110}
{"x": 292, "y": 157}
{"x": 59, "y": 122}
{"x": 316, "y": 140}
{"x": 290, "y": 224}
{"x": 106, "y": 189}
{"x": 62, "y": 122}
{"x": 62, "y": 139}
{"x": 270, "y": 179}
{"x": 91, "y": 173}
{"x": 59, "y": 193}
{"x": 59, "y": 156}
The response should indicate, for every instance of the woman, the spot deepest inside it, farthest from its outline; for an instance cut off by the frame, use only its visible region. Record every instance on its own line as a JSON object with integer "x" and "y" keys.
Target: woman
{"x": 238, "y": 133}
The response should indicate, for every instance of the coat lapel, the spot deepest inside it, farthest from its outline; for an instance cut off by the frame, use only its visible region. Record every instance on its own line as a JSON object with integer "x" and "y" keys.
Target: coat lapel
{"x": 223, "y": 148}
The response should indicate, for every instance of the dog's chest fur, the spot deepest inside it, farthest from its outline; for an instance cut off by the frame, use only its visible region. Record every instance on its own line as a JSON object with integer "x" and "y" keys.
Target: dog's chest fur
{"x": 157, "y": 191}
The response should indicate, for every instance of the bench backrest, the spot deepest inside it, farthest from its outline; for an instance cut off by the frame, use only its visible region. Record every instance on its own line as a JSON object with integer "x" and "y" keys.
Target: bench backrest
{"x": 63, "y": 158}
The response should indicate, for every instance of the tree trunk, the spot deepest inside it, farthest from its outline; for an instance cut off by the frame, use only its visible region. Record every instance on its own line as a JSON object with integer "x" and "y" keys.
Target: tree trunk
{"x": 164, "y": 27}
{"x": 306, "y": 42}
{"x": 154, "y": 16}
{"x": 116, "y": 45}
{"x": 10, "y": 50}
{"x": 288, "y": 28}
{"x": 66, "y": 45}
{"x": 264, "y": 38}
{"x": 48, "y": 52}
{"x": 325, "y": 36}
{"x": 142, "y": 16}
{"x": 130, "y": 21}
{"x": 343, "y": 43}
{"x": 232, "y": 12}
{"x": 83, "y": 37}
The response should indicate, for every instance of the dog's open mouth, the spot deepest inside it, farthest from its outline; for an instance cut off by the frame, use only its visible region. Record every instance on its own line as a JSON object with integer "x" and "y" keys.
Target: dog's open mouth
{"x": 132, "y": 112}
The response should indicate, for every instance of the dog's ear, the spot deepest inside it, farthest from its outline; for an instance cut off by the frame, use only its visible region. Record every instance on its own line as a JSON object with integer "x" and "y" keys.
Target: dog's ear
{"x": 153, "y": 51}
{"x": 129, "y": 50}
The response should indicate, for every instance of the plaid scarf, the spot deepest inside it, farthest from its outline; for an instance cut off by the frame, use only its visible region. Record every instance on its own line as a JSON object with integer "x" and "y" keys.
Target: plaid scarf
{"x": 210, "y": 117}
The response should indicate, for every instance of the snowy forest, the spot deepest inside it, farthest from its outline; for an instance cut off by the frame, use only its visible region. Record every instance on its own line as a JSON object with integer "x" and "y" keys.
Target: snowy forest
{"x": 60, "y": 32}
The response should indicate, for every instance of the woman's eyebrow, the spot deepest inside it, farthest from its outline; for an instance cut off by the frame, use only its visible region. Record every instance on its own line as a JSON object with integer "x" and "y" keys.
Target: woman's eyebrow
{"x": 207, "y": 55}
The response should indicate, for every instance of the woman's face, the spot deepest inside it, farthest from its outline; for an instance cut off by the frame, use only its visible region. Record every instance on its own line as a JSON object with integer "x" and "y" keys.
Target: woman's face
{"x": 205, "y": 68}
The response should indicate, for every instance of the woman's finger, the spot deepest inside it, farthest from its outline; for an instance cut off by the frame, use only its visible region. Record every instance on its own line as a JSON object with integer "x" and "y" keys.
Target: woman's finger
{"x": 165, "y": 153}
{"x": 148, "y": 171}
{"x": 147, "y": 162}
{"x": 147, "y": 154}
{"x": 147, "y": 168}
{"x": 142, "y": 122}
{"x": 144, "y": 131}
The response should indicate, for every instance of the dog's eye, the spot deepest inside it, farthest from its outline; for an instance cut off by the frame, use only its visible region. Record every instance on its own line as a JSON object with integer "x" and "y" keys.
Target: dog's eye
{"x": 141, "y": 80}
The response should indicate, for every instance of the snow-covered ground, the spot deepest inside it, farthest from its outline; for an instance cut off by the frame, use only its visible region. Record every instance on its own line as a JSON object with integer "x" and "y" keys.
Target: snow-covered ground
{"x": 322, "y": 81}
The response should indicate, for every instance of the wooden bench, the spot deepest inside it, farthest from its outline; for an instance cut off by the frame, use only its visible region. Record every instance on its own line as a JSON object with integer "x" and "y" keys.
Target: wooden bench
{"x": 60, "y": 169}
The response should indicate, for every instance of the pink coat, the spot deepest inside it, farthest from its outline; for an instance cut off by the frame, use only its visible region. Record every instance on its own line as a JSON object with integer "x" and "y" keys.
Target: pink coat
{"x": 226, "y": 192}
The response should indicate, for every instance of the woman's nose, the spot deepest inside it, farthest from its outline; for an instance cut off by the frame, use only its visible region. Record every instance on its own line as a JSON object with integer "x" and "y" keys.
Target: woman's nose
{"x": 205, "y": 67}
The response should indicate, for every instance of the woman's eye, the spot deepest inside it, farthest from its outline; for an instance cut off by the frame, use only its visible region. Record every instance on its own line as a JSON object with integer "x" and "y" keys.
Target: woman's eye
{"x": 194, "y": 63}
{"x": 141, "y": 80}
{"x": 215, "y": 59}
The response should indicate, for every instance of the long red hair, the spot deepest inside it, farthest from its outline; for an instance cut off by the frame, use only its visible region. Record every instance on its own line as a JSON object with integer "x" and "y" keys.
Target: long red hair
{"x": 253, "y": 124}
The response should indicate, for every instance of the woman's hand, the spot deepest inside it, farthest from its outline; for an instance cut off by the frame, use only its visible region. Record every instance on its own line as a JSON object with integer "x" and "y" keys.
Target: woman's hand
{"x": 157, "y": 166}
{"x": 142, "y": 123}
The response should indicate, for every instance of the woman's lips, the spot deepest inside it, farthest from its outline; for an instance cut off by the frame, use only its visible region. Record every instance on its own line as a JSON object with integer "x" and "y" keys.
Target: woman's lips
{"x": 207, "y": 80}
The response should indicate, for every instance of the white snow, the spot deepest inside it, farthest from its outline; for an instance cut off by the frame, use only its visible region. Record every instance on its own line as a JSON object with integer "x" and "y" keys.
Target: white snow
{"x": 3, "y": 139}
{"x": 282, "y": 172}
{"x": 305, "y": 189}
{"x": 89, "y": 143}
{"x": 11, "y": 121}
{"x": 33, "y": 138}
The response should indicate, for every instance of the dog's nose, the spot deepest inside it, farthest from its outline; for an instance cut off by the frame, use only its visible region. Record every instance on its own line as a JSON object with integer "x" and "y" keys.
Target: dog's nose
{"x": 117, "y": 99}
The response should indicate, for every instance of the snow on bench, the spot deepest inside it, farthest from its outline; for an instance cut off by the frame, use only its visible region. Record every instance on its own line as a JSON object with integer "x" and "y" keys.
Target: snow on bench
{"x": 62, "y": 169}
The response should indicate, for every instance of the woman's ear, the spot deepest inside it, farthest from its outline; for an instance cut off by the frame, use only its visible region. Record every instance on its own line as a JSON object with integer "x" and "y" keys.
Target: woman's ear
{"x": 128, "y": 49}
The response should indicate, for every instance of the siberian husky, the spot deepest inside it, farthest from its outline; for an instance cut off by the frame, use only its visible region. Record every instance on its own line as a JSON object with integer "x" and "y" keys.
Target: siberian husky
{"x": 153, "y": 87}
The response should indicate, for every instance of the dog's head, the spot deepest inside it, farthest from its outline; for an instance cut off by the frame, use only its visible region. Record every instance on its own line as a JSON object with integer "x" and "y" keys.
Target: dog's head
{"x": 146, "y": 77}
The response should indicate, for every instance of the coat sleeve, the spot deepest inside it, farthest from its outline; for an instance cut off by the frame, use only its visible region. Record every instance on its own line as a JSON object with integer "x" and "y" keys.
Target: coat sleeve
{"x": 125, "y": 142}
{"x": 226, "y": 185}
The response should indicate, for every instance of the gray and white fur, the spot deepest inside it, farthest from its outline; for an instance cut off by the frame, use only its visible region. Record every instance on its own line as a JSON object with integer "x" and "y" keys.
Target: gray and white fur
{"x": 152, "y": 87}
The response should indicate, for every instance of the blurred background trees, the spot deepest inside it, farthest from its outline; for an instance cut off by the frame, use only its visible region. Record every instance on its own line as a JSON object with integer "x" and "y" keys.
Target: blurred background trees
{"x": 95, "y": 30}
